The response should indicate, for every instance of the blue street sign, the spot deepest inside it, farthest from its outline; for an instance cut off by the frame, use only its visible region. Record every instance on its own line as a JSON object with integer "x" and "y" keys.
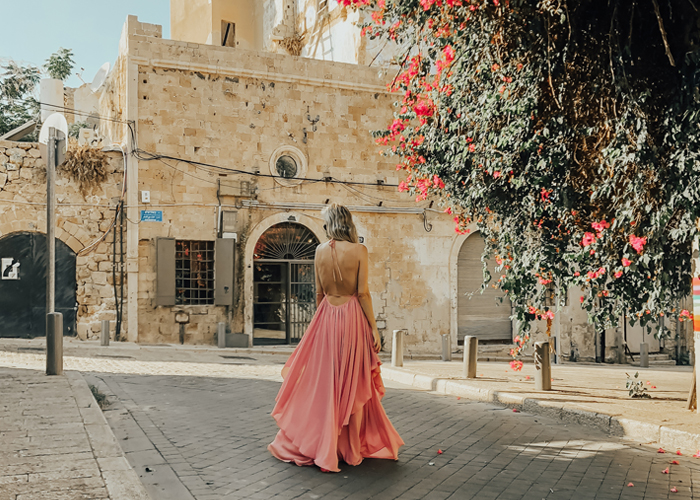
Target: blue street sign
{"x": 151, "y": 216}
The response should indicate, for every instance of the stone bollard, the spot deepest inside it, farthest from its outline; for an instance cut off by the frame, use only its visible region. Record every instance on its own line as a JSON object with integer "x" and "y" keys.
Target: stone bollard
{"x": 644, "y": 355}
{"x": 446, "y": 347}
{"x": 543, "y": 367}
{"x": 54, "y": 344}
{"x": 221, "y": 334}
{"x": 397, "y": 348}
{"x": 471, "y": 348}
{"x": 104, "y": 335}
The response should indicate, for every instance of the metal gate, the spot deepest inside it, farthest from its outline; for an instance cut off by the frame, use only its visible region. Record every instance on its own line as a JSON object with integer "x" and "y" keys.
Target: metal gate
{"x": 23, "y": 262}
{"x": 284, "y": 283}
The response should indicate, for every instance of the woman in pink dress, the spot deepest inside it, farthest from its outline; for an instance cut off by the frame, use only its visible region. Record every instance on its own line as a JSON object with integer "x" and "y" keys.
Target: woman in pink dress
{"x": 329, "y": 406}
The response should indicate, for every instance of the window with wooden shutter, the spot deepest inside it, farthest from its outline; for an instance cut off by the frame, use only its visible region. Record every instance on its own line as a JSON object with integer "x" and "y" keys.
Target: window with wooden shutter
{"x": 224, "y": 270}
{"x": 165, "y": 271}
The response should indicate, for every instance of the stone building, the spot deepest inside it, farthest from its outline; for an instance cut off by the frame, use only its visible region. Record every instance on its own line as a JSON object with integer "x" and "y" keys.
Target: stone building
{"x": 234, "y": 146}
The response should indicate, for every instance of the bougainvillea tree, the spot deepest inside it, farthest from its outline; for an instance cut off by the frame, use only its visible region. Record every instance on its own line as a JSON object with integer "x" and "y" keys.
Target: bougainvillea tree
{"x": 568, "y": 131}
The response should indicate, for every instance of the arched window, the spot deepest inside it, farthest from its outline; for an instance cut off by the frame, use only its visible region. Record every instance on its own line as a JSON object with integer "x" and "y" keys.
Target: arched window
{"x": 286, "y": 241}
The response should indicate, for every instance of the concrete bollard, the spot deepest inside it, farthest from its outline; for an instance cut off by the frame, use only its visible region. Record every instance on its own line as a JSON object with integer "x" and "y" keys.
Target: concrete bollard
{"x": 446, "y": 347}
{"x": 221, "y": 334}
{"x": 54, "y": 344}
{"x": 543, "y": 367}
{"x": 397, "y": 348}
{"x": 104, "y": 335}
{"x": 644, "y": 355}
{"x": 471, "y": 348}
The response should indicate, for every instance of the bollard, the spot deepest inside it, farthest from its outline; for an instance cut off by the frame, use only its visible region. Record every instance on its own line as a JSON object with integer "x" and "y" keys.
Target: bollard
{"x": 446, "y": 347}
{"x": 471, "y": 348}
{"x": 54, "y": 344}
{"x": 221, "y": 333}
{"x": 644, "y": 355}
{"x": 397, "y": 348}
{"x": 104, "y": 336}
{"x": 543, "y": 367}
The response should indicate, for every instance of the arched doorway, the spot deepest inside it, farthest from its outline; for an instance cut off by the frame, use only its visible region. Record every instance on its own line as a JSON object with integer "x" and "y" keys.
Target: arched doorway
{"x": 23, "y": 260}
{"x": 284, "y": 285}
{"x": 480, "y": 315}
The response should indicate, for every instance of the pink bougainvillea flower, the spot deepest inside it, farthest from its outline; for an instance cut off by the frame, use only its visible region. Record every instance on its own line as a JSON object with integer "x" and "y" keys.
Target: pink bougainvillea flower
{"x": 495, "y": 67}
{"x": 678, "y": 452}
{"x": 458, "y": 398}
{"x": 496, "y": 175}
{"x": 661, "y": 450}
{"x": 448, "y": 210}
{"x": 515, "y": 410}
{"x": 626, "y": 262}
{"x": 618, "y": 274}
{"x": 674, "y": 490}
{"x": 439, "y": 452}
{"x": 403, "y": 186}
{"x": 638, "y": 243}
{"x": 630, "y": 485}
{"x": 548, "y": 315}
{"x": 588, "y": 239}
{"x": 577, "y": 273}
{"x": 516, "y": 365}
{"x": 665, "y": 471}
{"x": 675, "y": 462}
{"x": 527, "y": 377}
{"x": 697, "y": 455}
{"x": 581, "y": 299}
{"x": 600, "y": 226}
{"x": 601, "y": 270}
{"x": 653, "y": 387}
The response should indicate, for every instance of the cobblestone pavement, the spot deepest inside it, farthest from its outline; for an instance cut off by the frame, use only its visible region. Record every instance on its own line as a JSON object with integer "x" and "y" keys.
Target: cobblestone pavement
{"x": 206, "y": 437}
{"x": 200, "y": 431}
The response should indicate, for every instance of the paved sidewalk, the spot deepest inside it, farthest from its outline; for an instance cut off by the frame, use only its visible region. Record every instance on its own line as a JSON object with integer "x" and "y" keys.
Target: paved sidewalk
{"x": 55, "y": 442}
{"x": 581, "y": 393}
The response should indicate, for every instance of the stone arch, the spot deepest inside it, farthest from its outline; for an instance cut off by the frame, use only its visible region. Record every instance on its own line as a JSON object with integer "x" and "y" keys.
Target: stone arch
{"x": 68, "y": 232}
{"x": 313, "y": 223}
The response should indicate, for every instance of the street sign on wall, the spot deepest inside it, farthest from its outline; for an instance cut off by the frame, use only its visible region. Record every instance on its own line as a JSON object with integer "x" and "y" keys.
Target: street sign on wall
{"x": 151, "y": 216}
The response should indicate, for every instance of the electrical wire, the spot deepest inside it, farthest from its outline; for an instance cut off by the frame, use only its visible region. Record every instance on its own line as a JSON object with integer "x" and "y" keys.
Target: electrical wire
{"x": 71, "y": 111}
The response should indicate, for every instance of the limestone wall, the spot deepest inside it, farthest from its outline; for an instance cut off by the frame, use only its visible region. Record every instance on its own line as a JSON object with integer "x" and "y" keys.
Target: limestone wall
{"x": 80, "y": 221}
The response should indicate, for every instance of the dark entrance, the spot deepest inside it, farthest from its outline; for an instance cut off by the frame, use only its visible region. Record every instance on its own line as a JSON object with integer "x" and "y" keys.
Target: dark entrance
{"x": 23, "y": 285}
{"x": 285, "y": 284}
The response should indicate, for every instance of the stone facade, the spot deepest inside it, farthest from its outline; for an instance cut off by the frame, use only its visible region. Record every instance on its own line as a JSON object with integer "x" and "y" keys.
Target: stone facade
{"x": 80, "y": 221}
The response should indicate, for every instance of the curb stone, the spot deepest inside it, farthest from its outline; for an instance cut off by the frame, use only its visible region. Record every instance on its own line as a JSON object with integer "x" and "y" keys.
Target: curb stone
{"x": 120, "y": 479}
{"x": 643, "y": 432}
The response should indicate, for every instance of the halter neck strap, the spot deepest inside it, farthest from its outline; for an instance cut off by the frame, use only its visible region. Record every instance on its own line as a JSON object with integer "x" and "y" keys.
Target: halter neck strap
{"x": 334, "y": 256}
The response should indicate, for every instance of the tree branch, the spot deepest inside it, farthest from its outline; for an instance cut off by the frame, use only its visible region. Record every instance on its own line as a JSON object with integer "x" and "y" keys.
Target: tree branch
{"x": 663, "y": 33}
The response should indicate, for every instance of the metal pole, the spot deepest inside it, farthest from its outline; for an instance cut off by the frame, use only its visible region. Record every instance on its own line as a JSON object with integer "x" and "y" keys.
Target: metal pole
{"x": 54, "y": 344}
{"x": 471, "y": 348}
{"x": 104, "y": 335}
{"x": 397, "y": 348}
{"x": 446, "y": 347}
{"x": 221, "y": 334}
{"x": 51, "y": 222}
{"x": 543, "y": 367}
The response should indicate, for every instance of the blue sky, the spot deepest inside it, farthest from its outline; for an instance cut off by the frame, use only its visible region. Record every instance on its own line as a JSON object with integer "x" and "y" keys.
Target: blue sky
{"x": 33, "y": 29}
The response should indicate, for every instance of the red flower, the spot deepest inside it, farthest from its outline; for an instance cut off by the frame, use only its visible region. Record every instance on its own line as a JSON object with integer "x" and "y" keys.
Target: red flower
{"x": 618, "y": 274}
{"x": 638, "y": 243}
{"x": 581, "y": 299}
{"x": 403, "y": 187}
{"x": 516, "y": 365}
{"x": 588, "y": 239}
{"x": 599, "y": 226}
{"x": 626, "y": 262}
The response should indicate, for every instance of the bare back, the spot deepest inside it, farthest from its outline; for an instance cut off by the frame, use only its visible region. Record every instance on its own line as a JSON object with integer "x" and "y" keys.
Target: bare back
{"x": 341, "y": 271}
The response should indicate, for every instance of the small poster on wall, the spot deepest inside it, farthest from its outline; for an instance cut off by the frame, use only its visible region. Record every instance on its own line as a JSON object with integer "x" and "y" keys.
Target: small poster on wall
{"x": 9, "y": 268}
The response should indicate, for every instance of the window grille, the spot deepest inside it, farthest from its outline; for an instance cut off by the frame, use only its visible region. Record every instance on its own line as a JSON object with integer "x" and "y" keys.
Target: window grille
{"x": 194, "y": 272}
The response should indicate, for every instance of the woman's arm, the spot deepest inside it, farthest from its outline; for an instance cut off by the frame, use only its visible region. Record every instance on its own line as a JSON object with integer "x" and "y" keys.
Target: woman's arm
{"x": 365, "y": 298}
{"x": 320, "y": 292}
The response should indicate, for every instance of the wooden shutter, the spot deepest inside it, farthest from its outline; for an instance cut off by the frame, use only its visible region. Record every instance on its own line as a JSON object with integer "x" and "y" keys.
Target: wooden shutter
{"x": 224, "y": 253}
{"x": 165, "y": 271}
{"x": 481, "y": 315}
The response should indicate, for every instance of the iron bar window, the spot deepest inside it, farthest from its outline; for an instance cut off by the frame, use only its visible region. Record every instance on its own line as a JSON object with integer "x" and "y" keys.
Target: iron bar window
{"x": 194, "y": 272}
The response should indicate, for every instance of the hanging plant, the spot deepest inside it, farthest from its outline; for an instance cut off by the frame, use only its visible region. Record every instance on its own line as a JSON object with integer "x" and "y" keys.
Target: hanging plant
{"x": 85, "y": 165}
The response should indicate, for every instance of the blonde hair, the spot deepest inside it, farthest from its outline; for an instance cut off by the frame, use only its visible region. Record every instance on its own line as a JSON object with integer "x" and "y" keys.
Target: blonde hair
{"x": 339, "y": 225}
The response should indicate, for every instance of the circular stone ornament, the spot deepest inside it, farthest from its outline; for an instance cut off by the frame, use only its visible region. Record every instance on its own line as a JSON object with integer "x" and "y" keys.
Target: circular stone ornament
{"x": 288, "y": 165}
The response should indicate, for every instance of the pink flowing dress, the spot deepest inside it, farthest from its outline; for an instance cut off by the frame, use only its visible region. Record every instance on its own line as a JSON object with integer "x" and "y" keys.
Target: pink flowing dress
{"x": 329, "y": 406}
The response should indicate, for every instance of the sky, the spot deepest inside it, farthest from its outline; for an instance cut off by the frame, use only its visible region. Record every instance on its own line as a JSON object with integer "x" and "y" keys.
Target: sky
{"x": 34, "y": 29}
